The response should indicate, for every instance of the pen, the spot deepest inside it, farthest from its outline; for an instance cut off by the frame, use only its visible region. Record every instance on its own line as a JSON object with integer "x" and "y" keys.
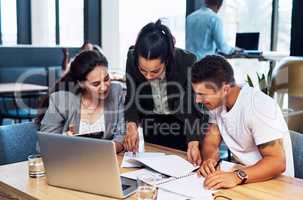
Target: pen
{"x": 218, "y": 163}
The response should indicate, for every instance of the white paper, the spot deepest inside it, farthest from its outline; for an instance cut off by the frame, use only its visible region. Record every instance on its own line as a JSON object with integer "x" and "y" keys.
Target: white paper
{"x": 170, "y": 165}
{"x": 134, "y": 175}
{"x": 191, "y": 186}
{"x": 165, "y": 195}
{"x": 129, "y": 162}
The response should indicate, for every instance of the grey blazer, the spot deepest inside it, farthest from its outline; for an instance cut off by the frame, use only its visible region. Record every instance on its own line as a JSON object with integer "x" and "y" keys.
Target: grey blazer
{"x": 64, "y": 110}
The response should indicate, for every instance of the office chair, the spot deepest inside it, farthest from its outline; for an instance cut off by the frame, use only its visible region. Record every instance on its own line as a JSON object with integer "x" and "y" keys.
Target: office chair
{"x": 287, "y": 80}
{"x": 17, "y": 142}
{"x": 297, "y": 146}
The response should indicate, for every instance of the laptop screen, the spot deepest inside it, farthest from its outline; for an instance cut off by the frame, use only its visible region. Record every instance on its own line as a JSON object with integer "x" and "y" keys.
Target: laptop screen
{"x": 248, "y": 41}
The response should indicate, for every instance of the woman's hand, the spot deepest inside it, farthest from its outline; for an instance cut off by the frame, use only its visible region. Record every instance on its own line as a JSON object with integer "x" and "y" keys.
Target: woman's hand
{"x": 119, "y": 147}
{"x": 131, "y": 141}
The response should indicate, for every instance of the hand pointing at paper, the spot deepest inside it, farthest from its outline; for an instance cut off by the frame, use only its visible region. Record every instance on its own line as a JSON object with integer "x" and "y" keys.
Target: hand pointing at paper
{"x": 193, "y": 153}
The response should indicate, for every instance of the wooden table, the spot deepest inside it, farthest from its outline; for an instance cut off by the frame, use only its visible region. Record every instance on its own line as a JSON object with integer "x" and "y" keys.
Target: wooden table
{"x": 21, "y": 87}
{"x": 16, "y": 184}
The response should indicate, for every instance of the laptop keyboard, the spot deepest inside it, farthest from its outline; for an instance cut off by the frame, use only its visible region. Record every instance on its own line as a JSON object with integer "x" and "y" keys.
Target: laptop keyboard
{"x": 125, "y": 187}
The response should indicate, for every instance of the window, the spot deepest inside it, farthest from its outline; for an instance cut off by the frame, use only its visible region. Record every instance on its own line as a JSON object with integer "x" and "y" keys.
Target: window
{"x": 133, "y": 15}
{"x": 284, "y": 26}
{"x": 248, "y": 16}
{"x": 9, "y": 22}
{"x": 71, "y": 14}
{"x": 43, "y": 16}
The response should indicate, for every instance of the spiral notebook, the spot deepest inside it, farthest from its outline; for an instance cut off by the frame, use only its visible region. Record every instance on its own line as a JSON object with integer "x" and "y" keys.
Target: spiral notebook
{"x": 190, "y": 185}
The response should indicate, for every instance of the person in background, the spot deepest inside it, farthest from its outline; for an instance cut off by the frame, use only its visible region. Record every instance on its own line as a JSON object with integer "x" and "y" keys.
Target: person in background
{"x": 159, "y": 94}
{"x": 66, "y": 57}
{"x": 86, "y": 102}
{"x": 205, "y": 33}
{"x": 249, "y": 122}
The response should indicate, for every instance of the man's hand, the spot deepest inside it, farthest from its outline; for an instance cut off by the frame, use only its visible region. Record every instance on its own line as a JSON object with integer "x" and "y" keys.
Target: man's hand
{"x": 193, "y": 153}
{"x": 208, "y": 167}
{"x": 221, "y": 179}
{"x": 131, "y": 141}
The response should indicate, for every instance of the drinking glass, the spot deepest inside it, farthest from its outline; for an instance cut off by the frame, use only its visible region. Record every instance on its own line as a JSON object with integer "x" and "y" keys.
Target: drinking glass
{"x": 35, "y": 166}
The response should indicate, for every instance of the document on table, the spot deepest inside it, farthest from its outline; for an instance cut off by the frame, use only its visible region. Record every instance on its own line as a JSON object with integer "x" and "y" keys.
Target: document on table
{"x": 190, "y": 186}
{"x": 187, "y": 187}
{"x": 170, "y": 165}
{"x": 134, "y": 175}
{"x": 129, "y": 162}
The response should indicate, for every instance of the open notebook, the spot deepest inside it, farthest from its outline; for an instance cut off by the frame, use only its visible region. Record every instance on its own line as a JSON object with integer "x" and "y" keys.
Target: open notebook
{"x": 129, "y": 162}
{"x": 170, "y": 165}
{"x": 189, "y": 186}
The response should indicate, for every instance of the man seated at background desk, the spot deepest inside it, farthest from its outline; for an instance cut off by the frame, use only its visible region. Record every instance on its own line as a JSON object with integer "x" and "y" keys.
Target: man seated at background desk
{"x": 250, "y": 123}
{"x": 204, "y": 31}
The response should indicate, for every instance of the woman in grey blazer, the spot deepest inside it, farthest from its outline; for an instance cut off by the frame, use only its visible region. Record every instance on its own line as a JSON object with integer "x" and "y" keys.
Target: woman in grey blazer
{"x": 88, "y": 103}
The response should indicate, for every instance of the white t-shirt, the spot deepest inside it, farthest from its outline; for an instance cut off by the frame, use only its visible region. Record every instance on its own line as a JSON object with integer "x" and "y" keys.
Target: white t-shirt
{"x": 254, "y": 119}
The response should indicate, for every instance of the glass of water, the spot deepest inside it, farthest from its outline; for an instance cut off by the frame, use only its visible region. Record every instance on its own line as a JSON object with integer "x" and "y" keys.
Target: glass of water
{"x": 146, "y": 187}
{"x": 35, "y": 166}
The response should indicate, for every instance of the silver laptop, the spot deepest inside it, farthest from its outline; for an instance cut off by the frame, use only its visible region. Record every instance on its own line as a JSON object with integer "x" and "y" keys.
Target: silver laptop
{"x": 83, "y": 164}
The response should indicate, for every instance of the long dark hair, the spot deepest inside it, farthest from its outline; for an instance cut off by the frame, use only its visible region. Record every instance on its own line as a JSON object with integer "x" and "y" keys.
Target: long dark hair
{"x": 155, "y": 41}
{"x": 85, "y": 62}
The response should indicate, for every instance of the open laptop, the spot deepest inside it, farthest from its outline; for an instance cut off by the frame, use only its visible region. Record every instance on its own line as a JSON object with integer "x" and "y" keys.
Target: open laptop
{"x": 249, "y": 42}
{"x": 83, "y": 164}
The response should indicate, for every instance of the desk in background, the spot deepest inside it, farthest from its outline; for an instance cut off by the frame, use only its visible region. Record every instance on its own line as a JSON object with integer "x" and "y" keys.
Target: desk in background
{"x": 21, "y": 87}
{"x": 16, "y": 184}
{"x": 272, "y": 56}
{"x": 20, "y": 101}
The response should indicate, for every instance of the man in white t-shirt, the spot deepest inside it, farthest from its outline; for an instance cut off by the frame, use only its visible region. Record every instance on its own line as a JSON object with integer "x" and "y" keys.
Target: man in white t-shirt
{"x": 249, "y": 122}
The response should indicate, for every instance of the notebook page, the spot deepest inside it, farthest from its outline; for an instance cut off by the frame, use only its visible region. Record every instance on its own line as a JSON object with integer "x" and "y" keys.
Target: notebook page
{"x": 191, "y": 186}
{"x": 128, "y": 157}
{"x": 170, "y": 165}
{"x": 134, "y": 175}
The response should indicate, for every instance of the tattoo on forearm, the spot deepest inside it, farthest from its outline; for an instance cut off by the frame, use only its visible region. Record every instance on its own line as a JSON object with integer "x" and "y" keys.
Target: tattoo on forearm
{"x": 271, "y": 143}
